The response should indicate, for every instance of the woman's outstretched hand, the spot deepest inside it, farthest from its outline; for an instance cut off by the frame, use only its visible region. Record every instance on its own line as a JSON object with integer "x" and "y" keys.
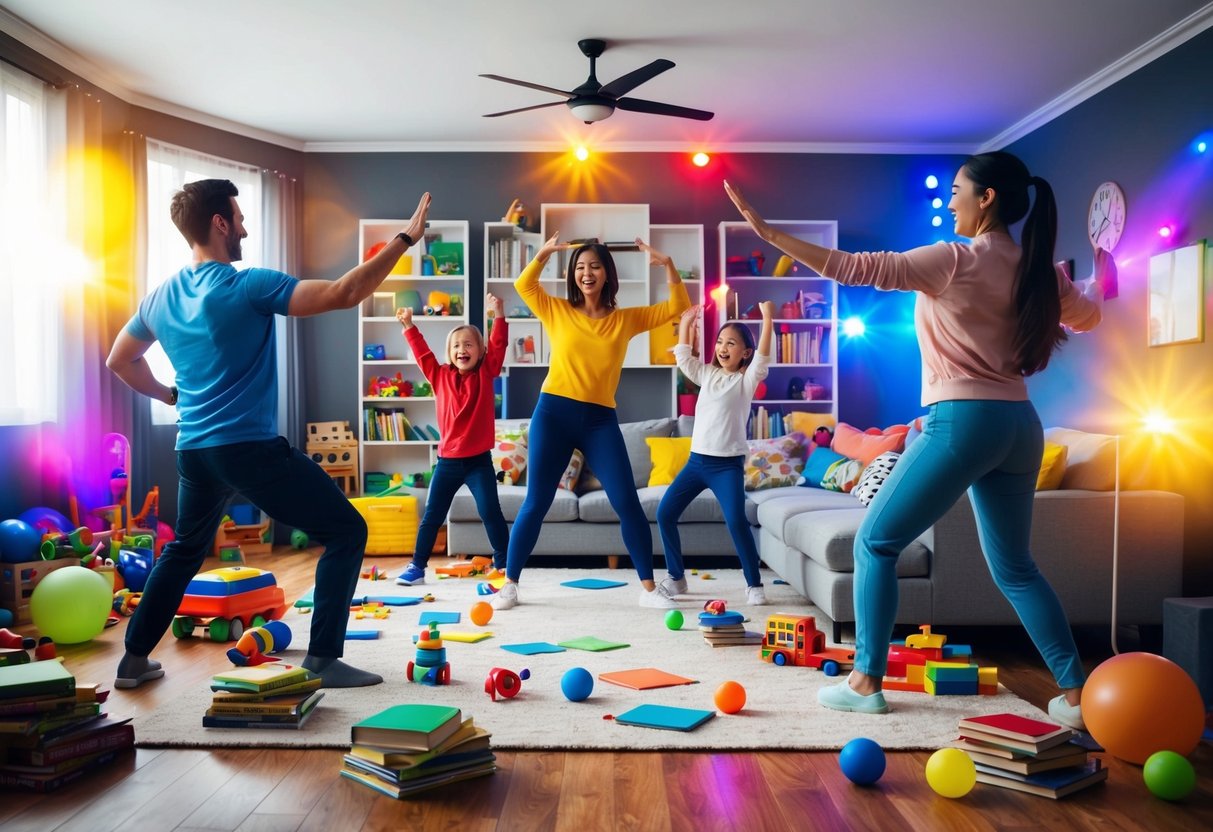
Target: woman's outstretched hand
{"x": 656, "y": 258}
{"x": 416, "y": 227}
{"x": 747, "y": 211}
{"x": 549, "y": 248}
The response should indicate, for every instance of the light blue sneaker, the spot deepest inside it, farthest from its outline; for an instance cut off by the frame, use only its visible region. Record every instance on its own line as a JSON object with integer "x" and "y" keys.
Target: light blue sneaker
{"x": 411, "y": 576}
{"x": 840, "y": 697}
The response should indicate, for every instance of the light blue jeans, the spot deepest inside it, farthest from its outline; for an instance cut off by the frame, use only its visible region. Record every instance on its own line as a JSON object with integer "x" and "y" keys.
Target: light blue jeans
{"x": 992, "y": 449}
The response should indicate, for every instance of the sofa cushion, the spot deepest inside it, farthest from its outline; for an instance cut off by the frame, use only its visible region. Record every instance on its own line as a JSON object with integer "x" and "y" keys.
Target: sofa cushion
{"x": 1090, "y": 459}
{"x": 775, "y": 462}
{"x": 828, "y": 538}
{"x": 815, "y": 467}
{"x": 773, "y": 514}
{"x": 509, "y": 456}
{"x": 867, "y": 445}
{"x": 669, "y": 455}
{"x": 568, "y": 480}
{"x": 873, "y": 477}
{"x": 1052, "y": 467}
{"x": 463, "y": 507}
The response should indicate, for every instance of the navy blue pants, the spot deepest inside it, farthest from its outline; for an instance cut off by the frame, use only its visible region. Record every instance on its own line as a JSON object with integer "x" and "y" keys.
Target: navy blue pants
{"x": 725, "y": 476}
{"x": 558, "y": 426}
{"x": 450, "y": 473}
{"x": 286, "y": 485}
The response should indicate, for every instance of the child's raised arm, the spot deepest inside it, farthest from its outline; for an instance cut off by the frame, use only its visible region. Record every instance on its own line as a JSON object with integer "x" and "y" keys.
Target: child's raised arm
{"x": 498, "y": 334}
{"x": 686, "y": 326}
{"x": 767, "y": 308}
{"x": 422, "y": 353}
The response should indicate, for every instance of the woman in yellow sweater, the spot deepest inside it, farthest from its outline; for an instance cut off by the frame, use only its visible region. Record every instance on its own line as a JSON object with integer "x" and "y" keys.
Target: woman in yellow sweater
{"x": 589, "y": 335}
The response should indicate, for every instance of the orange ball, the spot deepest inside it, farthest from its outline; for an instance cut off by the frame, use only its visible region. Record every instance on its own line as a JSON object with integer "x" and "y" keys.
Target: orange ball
{"x": 730, "y": 697}
{"x": 1136, "y": 704}
{"x": 482, "y": 613}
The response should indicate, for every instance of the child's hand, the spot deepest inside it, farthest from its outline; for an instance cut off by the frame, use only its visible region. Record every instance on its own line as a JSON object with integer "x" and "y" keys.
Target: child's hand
{"x": 656, "y": 258}
{"x": 691, "y": 315}
{"x": 767, "y": 308}
{"x": 405, "y": 316}
{"x": 494, "y": 304}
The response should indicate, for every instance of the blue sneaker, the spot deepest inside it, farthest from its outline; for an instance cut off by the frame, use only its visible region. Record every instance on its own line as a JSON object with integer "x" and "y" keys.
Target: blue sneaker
{"x": 840, "y": 697}
{"x": 411, "y": 576}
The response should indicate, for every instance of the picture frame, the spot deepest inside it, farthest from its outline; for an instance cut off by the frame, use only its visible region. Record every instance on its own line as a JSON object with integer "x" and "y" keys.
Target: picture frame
{"x": 1175, "y": 296}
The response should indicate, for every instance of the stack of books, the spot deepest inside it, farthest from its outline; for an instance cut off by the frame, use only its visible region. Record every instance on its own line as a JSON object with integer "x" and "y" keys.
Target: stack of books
{"x": 268, "y": 695}
{"x": 408, "y": 749}
{"x": 1028, "y": 755}
{"x": 726, "y": 629}
{"x": 53, "y": 731}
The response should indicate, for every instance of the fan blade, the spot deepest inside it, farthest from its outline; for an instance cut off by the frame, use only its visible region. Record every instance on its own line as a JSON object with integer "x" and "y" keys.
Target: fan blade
{"x": 524, "y": 109}
{"x": 624, "y": 84}
{"x": 639, "y": 105}
{"x": 539, "y": 87}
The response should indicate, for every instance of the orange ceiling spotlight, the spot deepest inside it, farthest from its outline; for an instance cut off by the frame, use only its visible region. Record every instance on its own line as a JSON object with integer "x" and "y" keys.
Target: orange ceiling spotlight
{"x": 582, "y": 153}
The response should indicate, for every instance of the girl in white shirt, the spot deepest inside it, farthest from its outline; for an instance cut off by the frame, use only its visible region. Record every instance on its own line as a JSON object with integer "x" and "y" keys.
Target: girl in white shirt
{"x": 718, "y": 443}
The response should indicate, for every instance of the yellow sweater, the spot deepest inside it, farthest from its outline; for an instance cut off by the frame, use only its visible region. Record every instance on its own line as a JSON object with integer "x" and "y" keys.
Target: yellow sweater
{"x": 587, "y": 353}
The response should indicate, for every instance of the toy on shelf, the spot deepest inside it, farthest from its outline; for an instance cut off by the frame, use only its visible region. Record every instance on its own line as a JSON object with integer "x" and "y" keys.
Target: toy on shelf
{"x": 504, "y": 682}
{"x": 224, "y": 601}
{"x": 247, "y": 539}
{"x": 430, "y": 667}
{"x": 516, "y": 214}
{"x": 926, "y": 663}
{"x": 795, "y": 640}
{"x": 332, "y": 446}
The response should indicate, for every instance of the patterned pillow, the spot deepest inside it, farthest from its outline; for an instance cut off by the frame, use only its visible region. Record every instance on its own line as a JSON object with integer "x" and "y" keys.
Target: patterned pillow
{"x": 509, "y": 456}
{"x": 568, "y": 480}
{"x": 774, "y": 462}
{"x": 842, "y": 475}
{"x": 874, "y": 476}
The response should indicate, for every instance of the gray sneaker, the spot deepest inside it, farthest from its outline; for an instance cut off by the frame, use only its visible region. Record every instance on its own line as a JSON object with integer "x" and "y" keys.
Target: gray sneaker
{"x": 505, "y": 597}
{"x": 671, "y": 588}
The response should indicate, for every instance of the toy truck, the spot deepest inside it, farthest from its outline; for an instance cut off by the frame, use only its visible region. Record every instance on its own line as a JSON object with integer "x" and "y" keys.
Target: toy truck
{"x": 226, "y": 600}
{"x": 795, "y": 640}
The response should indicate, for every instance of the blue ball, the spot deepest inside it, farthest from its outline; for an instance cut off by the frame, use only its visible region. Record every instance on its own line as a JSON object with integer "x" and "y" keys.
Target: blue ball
{"x": 19, "y": 541}
{"x": 135, "y": 565}
{"x": 577, "y": 684}
{"x": 862, "y": 761}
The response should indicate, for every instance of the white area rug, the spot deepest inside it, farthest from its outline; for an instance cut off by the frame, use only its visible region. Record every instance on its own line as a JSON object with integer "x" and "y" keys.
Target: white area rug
{"x": 781, "y": 710}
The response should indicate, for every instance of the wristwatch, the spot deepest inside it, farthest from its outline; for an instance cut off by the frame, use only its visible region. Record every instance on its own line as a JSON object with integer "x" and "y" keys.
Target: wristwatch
{"x": 408, "y": 241}
{"x": 172, "y": 395}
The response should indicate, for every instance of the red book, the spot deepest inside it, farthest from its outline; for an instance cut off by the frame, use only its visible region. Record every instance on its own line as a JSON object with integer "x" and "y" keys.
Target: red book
{"x": 1015, "y": 727}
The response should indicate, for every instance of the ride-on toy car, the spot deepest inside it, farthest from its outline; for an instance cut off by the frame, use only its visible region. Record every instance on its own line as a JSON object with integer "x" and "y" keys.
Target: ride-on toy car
{"x": 226, "y": 600}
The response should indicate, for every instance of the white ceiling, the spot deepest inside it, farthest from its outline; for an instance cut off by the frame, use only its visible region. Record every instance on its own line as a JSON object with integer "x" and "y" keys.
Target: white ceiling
{"x": 846, "y": 75}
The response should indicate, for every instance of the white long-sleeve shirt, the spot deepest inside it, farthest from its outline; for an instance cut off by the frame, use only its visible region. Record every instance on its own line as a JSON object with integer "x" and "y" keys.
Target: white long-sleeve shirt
{"x": 724, "y": 403}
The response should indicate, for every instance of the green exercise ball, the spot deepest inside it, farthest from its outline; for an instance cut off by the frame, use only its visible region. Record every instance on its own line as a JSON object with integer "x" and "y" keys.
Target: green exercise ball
{"x": 71, "y": 605}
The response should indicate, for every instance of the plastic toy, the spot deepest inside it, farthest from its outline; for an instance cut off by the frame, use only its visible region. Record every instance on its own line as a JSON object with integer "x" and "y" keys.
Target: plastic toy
{"x": 795, "y": 640}
{"x": 75, "y": 543}
{"x": 926, "y": 663}
{"x": 516, "y": 214}
{"x": 481, "y": 614}
{"x": 730, "y": 697}
{"x": 862, "y": 761}
{"x": 674, "y": 620}
{"x": 374, "y": 352}
{"x": 951, "y": 773}
{"x": 374, "y": 573}
{"x": 226, "y": 600}
{"x": 45, "y": 651}
{"x": 1169, "y": 775}
{"x": 134, "y": 565}
{"x": 1136, "y": 704}
{"x": 253, "y": 645}
{"x": 13, "y": 641}
{"x": 577, "y": 684}
{"x": 71, "y": 605}
{"x": 476, "y": 566}
{"x": 19, "y": 542}
{"x": 485, "y": 588}
{"x": 430, "y": 667}
{"x": 125, "y": 601}
{"x": 504, "y": 683}
{"x": 716, "y": 607}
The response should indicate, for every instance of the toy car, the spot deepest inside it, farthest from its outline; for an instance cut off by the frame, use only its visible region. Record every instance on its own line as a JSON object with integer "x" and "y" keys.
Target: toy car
{"x": 795, "y": 640}
{"x": 224, "y": 601}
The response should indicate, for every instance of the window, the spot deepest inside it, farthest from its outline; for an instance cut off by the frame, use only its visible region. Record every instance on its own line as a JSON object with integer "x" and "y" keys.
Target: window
{"x": 168, "y": 169}
{"x": 31, "y": 233}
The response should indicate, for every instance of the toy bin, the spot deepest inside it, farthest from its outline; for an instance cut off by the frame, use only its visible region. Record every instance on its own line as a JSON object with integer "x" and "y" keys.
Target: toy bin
{"x": 17, "y": 582}
{"x": 391, "y": 523}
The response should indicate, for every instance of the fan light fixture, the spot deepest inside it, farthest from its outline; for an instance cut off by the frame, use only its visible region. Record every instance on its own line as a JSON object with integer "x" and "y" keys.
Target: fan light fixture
{"x": 590, "y": 113}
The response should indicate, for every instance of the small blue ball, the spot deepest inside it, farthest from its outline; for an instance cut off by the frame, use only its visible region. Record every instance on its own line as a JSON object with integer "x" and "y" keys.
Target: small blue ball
{"x": 862, "y": 761}
{"x": 577, "y": 684}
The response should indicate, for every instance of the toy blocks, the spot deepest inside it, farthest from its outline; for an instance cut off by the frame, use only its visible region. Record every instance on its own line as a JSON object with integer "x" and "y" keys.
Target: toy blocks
{"x": 925, "y": 663}
{"x": 430, "y": 666}
{"x": 332, "y": 446}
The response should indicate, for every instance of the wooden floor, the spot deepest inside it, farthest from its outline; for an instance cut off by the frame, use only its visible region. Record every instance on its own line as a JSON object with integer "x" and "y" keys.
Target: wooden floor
{"x": 232, "y": 789}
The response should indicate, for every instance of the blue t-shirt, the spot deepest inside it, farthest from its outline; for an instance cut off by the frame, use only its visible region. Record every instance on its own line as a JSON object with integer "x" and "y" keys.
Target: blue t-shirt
{"x": 216, "y": 326}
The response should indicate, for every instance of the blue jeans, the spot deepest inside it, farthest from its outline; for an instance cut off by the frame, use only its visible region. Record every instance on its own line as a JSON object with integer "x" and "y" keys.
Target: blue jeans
{"x": 450, "y": 473}
{"x": 558, "y": 426}
{"x": 286, "y": 485}
{"x": 992, "y": 449}
{"x": 725, "y": 476}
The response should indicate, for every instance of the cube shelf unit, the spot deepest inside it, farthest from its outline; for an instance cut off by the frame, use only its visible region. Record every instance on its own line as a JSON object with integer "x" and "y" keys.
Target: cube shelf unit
{"x": 810, "y": 353}
{"x": 377, "y": 325}
{"x": 508, "y": 249}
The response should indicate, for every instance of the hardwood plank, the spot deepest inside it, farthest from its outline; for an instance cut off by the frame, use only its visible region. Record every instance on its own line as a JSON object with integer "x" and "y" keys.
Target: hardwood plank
{"x": 298, "y": 791}
{"x": 57, "y": 808}
{"x": 264, "y": 822}
{"x": 587, "y": 800}
{"x": 692, "y": 793}
{"x": 799, "y": 793}
{"x": 343, "y": 805}
{"x": 641, "y": 802}
{"x": 533, "y": 788}
{"x": 745, "y": 793}
{"x": 260, "y": 771}
{"x": 473, "y": 805}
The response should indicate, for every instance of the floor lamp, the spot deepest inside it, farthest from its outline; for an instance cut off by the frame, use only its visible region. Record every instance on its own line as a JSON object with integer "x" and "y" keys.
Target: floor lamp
{"x": 1115, "y": 542}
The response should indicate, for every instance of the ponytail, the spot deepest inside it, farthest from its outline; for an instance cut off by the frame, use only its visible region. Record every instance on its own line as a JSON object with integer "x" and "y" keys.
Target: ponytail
{"x": 1038, "y": 329}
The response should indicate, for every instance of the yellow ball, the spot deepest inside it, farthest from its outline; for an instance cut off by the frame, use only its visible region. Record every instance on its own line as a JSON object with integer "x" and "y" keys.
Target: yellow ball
{"x": 951, "y": 773}
{"x": 482, "y": 613}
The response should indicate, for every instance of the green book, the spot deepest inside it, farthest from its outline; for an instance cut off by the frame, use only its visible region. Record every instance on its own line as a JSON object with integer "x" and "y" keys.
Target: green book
{"x": 261, "y": 677}
{"x": 35, "y": 679}
{"x": 412, "y": 727}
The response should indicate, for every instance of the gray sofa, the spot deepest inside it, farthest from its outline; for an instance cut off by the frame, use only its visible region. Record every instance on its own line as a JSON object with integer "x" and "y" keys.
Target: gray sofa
{"x": 806, "y": 536}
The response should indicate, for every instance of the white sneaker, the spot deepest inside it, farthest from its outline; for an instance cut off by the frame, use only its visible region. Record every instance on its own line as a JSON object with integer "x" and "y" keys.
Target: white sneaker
{"x": 671, "y": 588}
{"x": 656, "y": 600}
{"x": 755, "y": 596}
{"x": 505, "y": 597}
{"x": 1067, "y": 714}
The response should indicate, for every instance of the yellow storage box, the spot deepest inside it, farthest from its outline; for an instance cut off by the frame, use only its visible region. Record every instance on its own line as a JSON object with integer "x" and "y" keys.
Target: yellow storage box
{"x": 391, "y": 523}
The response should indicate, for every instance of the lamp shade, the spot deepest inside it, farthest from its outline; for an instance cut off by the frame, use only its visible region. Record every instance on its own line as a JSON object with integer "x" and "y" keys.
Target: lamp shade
{"x": 589, "y": 113}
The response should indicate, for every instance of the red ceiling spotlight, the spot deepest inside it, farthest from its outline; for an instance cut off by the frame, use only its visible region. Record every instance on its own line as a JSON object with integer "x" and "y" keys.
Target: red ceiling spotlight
{"x": 700, "y": 159}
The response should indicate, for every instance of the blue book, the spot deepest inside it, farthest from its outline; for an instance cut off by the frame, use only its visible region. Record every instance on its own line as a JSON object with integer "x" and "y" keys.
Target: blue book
{"x": 665, "y": 716}
{"x": 1053, "y": 784}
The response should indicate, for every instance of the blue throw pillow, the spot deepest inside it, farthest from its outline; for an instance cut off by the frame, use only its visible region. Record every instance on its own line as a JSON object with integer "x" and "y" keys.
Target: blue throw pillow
{"x": 816, "y": 465}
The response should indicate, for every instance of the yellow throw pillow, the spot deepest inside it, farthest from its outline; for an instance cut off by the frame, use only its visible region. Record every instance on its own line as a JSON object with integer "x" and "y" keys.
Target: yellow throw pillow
{"x": 1052, "y": 467}
{"x": 669, "y": 455}
{"x": 807, "y": 423}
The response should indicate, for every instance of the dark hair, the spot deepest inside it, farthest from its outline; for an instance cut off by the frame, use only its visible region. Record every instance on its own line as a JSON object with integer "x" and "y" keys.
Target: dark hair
{"x": 1038, "y": 331}
{"x": 747, "y": 338}
{"x": 195, "y": 204}
{"x": 609, "y": 292}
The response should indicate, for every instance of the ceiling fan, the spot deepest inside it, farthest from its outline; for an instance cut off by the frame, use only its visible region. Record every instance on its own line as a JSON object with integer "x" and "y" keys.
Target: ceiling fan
{"x": 593, "y": 101}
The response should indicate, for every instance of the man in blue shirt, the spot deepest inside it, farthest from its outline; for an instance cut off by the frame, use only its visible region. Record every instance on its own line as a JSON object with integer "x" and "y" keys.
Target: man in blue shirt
{"x": 216, "y": 325}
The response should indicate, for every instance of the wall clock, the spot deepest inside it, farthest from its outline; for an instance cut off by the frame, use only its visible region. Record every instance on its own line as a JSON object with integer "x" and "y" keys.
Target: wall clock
{"x": 1106, "y": 216}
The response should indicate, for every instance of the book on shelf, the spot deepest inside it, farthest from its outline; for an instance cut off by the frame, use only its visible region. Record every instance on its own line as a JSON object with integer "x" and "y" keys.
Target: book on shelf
{"x": 469, "y": 737}
{"x": 291, "y": 704}
{"x": 260, "y": 678}
{"x": 1052, "y": 784}
{"x": 20, "y": 681}
{"x": 408, "y": 727}
{"x": 1065, "y": 755}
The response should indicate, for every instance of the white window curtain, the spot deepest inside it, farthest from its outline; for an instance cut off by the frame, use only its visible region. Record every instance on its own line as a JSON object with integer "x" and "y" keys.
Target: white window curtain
{"x": 34, "y": 260}
{"x": 280, "y": 223}
{"x": 169, "y": 168}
